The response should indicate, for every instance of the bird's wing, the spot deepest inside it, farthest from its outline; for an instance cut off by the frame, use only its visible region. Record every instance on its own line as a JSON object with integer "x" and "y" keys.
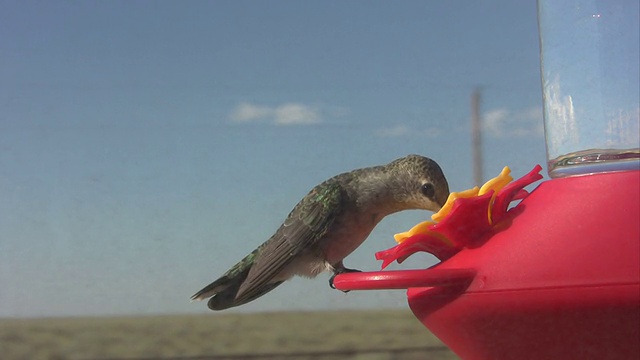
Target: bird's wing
{"x": 308, "y": 222}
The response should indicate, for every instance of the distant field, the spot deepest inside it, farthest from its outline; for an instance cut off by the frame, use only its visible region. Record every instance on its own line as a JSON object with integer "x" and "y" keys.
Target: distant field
{"x": 305, "y": 335}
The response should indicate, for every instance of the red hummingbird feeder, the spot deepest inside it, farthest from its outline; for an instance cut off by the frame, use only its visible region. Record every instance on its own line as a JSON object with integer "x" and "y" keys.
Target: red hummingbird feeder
{"x": 560, "y": 280}
{"x": 558, "y": 275}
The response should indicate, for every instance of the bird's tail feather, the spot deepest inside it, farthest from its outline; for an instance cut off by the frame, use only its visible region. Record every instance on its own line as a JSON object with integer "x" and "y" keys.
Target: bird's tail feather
{"x": 212, "y": 289}
{"x": 225, "y": 300}
{"x": 224, "y": 291}
{"x": 233, "y": 278}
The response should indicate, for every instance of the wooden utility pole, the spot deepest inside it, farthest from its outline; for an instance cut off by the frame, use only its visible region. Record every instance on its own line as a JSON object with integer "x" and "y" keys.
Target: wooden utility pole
{"x": 476, "y": 136}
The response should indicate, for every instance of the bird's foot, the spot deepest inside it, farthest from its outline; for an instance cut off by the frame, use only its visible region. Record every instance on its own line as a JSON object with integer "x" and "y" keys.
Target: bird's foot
{"x": 341, "y": 270}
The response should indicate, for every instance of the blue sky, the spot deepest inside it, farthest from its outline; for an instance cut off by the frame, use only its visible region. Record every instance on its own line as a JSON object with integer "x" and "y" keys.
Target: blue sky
{"x": 145, "y": 147}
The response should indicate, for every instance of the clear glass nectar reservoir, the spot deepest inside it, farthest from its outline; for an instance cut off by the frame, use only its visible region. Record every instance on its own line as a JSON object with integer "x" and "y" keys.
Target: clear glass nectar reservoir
{"x": 591, "y": 85}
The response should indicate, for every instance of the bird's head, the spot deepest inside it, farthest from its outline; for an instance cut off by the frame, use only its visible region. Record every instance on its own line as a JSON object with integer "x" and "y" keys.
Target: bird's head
{"x": 418, "y": 183}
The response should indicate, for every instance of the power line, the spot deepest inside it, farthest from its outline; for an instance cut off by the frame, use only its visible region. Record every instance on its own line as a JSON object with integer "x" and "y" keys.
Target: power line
{"x": 476, "y": 136}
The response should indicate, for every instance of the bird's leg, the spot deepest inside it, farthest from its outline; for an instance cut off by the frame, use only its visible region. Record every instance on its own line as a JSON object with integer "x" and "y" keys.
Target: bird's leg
{"x": 340, "y": 269}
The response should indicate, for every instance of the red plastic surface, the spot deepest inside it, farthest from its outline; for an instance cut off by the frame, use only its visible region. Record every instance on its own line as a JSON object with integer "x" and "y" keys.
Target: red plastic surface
{"x": 562, "y": 282}
{"x": 599, "y": 322}
{"x": 403, "y": 279}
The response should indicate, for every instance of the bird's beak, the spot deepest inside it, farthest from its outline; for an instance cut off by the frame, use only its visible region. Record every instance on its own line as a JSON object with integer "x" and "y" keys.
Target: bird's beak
{"x": 443, "y": 201}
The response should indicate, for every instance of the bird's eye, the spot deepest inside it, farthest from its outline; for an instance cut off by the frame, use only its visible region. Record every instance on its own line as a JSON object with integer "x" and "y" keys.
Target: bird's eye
{"x": 428, "y": 190}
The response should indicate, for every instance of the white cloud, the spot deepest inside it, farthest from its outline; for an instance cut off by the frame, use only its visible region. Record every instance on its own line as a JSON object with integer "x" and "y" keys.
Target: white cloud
{"x": 296, "y": 114}
{"x": 246, "y": 112}
{"x": 404, "y": 130}
{"x": 503, "y": 122}
{"x": 285, "y": 114}
{"x": 493, "y": 121}
{"x": 393, "y": 131}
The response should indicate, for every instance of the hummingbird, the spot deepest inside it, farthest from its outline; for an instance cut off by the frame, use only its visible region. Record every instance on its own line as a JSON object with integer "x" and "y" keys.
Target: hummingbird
{"x": 327, "y": 225}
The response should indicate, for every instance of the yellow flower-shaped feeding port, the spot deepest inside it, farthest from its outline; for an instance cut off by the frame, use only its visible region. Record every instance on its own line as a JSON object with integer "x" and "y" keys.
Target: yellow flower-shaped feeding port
{"x": 466, "y": 223}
